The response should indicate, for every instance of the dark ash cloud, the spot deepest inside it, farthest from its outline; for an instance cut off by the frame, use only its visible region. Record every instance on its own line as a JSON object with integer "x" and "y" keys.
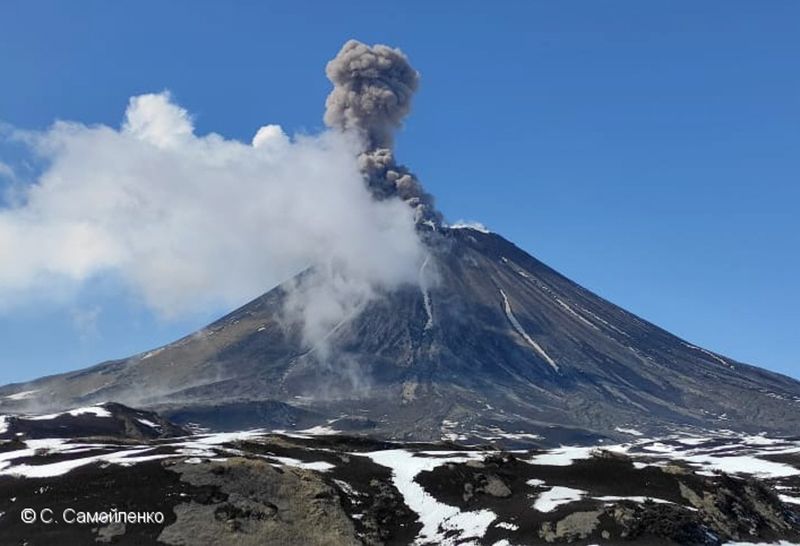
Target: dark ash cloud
{"x": 372, "y": 91}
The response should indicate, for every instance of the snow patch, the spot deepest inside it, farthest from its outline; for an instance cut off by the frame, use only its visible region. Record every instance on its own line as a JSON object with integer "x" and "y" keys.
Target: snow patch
{"x": 495, "y": 433}
{"x": 150, "y": 424}
{"x": 563, "y": 456}
{"x": 151, "y": 354}
{"x": 319, "y": 430}
{"x": 760, "y": 440}
{"x": 555, "y": 497}
{"x": 614, "y": 498}
{"x": 449, "y": 434}
{"x": 744, "y": 464}
{"x": 347, "y": 488}
{"x": 319, "y": 466}
{"x": 779, "y": 543}
{"x": 62, "y": 467}
{"x": 519, "y": 435}
{"x": 21, "y": 395}
{"x": 692, "y": 441}
{"x": 97, "y": 411}
{"x": 438, "y": 519}
{"x": 631, "y": 431}
{"x": 475, "y": 226}
{"x": 223, "y": 438}
{"x": 789, "y": 500}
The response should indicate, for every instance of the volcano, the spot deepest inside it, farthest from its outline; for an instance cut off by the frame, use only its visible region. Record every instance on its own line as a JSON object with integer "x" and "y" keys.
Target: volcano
{"x": 491, "y": 343}
{"x": 461, "y": 393}
{"x": 486, "y": 344}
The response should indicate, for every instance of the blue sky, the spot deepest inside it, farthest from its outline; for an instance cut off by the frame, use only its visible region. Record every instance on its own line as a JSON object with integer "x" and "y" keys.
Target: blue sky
{"x": 647, "y": 150}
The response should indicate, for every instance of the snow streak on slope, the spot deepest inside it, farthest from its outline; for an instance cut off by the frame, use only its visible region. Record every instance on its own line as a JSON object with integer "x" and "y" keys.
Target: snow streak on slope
{"x": 709, "y": 353}
{"x": 521, "y": 331}
{"x": 426, "y": 297}
{"x": 24, "y": 395}
{"x": 545, "y": 288}
{"x": 574, "y": 313}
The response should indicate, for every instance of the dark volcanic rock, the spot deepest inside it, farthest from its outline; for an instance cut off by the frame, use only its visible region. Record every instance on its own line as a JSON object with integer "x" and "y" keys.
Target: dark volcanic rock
{"x": 95, "y": 488}
{"x": 242, "y": 415}
{"x": 259, "y": 504}
{"x": 108, "y": 420}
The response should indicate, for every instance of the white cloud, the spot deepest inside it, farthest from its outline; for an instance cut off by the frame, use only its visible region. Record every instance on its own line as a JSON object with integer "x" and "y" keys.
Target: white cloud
{"x": 270, "y": 136}
{"x": 195, "y": 222}
{"x": 155, "y": 119}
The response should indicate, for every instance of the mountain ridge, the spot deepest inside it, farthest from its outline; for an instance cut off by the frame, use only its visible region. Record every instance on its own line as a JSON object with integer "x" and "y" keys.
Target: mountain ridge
{"x": 491, "y": 339}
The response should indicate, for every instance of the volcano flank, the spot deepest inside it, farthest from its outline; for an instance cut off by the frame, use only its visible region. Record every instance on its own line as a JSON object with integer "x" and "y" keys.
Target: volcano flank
{"x": 490, "y": 340}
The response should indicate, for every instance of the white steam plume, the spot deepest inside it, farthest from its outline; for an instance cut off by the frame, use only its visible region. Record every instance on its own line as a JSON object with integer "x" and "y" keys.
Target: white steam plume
{"x": 194, "y": 222}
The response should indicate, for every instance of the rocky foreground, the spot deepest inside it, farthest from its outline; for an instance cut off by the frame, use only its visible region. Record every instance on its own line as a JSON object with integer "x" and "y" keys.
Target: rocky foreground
{"x": 318, "y": 487}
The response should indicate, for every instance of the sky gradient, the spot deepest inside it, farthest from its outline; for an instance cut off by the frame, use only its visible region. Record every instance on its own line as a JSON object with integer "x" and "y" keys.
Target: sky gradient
{"x": 648, "y": 151}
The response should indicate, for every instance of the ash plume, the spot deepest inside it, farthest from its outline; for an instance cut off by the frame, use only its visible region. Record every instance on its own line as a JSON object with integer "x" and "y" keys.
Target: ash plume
{"x": 372, "y": 91}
